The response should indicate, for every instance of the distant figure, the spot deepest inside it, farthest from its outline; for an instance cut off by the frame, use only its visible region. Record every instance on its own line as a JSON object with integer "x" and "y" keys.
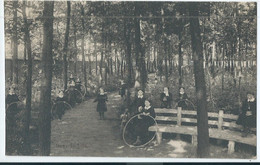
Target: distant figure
{"x": 78, "y": 85}
{"x": 248, "y": 116}
{"x": 166, "y": 98}
{"x": 143, "y": 122}
{"x": 122, "y": 90}
{"x": 182, "y": 98}
{"x": 71, "y": 78}
{"x": 72, "y": 93}
{"x": 101, "y": 105}
{"x": 11, "y": 98}
{"x": 138, "y": 102}
{"x": 60, "y": 109}
{"x": 11, "y": 106}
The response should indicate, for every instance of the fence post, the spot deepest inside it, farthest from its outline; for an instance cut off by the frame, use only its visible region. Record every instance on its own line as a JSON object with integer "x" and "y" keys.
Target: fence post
{"x": 220, "y": 119}
{"x": 179, "y": 116}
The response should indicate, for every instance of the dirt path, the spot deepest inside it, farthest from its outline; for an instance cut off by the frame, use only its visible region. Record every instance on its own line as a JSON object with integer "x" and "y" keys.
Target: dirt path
{"x": 81, "y": 133}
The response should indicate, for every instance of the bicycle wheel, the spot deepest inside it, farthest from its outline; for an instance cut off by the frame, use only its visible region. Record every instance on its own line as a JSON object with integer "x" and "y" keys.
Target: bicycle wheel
{"x": 79, "y": 96}
{"x": 138, "y": 127}
{"x": 83, "y": 90}
{"x": 59, "y": 108}
{"x": 185, "y": 104}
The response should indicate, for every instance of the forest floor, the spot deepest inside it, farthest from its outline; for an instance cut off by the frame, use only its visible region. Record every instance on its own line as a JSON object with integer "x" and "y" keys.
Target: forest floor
{"x": 81, "y": 133}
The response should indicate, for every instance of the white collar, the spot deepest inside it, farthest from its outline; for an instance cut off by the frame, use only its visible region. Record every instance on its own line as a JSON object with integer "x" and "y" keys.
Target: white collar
{"x": 147, "y": 107}
{"x": 251, "y": 100}
{"x": 140, "y": 97}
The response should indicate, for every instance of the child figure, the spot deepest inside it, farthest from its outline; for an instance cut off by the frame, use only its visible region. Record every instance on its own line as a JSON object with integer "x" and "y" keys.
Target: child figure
{"x": 78, "y": 84}
{"x": 101, "y": 105}
{"x": 143, "y": 123}
{"x": 166, "y": 98}
{"x": 248, "y": 116}
{"x": 60, "y": 109}
{"x": 72, "y": 93}
{"x": 182, "y": 97}
{"x": 12, "y": 107}
{"x": 138, "y": 102}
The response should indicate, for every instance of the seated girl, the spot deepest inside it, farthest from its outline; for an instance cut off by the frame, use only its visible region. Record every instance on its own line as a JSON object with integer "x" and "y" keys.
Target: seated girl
{"x": 143, "y": 122}
{"x": 248, "y": 116}
{"x": 182, "y": 98}
{"x": 166, "y": 98}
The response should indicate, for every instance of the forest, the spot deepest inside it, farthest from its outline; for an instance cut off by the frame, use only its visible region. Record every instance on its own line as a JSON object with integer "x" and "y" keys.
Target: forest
{"x": 208, "y": 47}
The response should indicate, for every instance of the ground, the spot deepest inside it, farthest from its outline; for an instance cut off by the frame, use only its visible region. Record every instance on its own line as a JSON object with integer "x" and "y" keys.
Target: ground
{"x": 81, "y": 133}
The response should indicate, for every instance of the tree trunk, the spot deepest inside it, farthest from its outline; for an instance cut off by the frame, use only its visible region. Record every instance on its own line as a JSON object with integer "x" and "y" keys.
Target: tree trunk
{"x": 95, "y": 47}
{"x": 202, "y": 114}
{"x": 28, "y": 78}
{"x": 65, "y": 48}
{"x": 45, "y": 106}
{"x": 127, "y": 33}
{"x": 180, "y": 60}
{"x": 82, "y": 46}
{"x": 75, "y": 46}
{"x": 139, "y": 53}
{"x": 166, "y": 60}
{"x": 15, "y": 44}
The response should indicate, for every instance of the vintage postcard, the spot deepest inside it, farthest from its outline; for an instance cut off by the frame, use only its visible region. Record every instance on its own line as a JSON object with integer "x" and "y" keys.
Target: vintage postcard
{"x": 135, "y": 79}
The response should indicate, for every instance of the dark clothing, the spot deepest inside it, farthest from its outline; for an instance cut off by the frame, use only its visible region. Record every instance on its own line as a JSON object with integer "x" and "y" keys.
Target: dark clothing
{"x": 78, "y": 86}
{"x": 59, "y": 109}
{"x": 72, "y": 96}
{"x": 143, "y": 123}
{"x": 122, "y": 90}
{"x": 181, "y": 101}
{"x": 101, "y": 105}
{"x": 9, "y": 100}
{"x": 166, "y": 101}
{"x": 250, "y": 119}
{"x": 137, "y": 103}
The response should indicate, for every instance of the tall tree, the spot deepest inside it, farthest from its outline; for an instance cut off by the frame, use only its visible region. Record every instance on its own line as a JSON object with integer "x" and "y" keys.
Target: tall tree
{"x": 65, "y": 48}
{"x": 15, "y": 43}
{"x": 45, "y": 97}
{"x": 29, "y": 75}
{"x": 197, "y": 53}
{"x": 140, "y": 56}
{"x": 82, "y": 45}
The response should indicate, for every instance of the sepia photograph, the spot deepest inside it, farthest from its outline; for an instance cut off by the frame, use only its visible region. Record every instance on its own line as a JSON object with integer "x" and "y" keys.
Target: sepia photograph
{"x": 130, "y": 79}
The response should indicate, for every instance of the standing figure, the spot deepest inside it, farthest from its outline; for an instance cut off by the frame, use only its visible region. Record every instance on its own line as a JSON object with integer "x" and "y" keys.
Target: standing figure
{"x": 138, "y": 102}
{"x": 123, "y": 89}
{"x": 71, "y": 78}
{"x": 78, "y": 85}
{"x": 182, "y": 98}
{"x": 11, "y": 106}
{"x": 101, "y": 105}
{"x": 60, "y": 109}
{"x": 166, "y": 98}
{"x": 72, "y": 93}
{"x": 248, "y": 116}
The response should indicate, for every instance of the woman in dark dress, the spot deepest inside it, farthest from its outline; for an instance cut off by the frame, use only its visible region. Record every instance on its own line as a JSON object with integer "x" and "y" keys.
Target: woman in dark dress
{"x": 248, "y": 116}
{"x": 182, "y": 98}
{"x": 78, "y": 85}
{"x": 101, "y": 105}
{"x": 60, "y": 108}
{"x": 166, "y": 98}
{"x": 123, "y": 88}
{"x": 11, "y": 98}
{"x": 143, "y": 122}
{"x": 71, "y": 93}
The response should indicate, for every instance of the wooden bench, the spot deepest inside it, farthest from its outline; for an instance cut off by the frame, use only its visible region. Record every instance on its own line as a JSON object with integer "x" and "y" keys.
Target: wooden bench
{"x": 221, "y": 126}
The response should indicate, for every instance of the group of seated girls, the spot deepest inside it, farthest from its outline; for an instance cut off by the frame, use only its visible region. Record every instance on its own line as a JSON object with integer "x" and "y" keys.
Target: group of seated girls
{"x": 166, "y": 98}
